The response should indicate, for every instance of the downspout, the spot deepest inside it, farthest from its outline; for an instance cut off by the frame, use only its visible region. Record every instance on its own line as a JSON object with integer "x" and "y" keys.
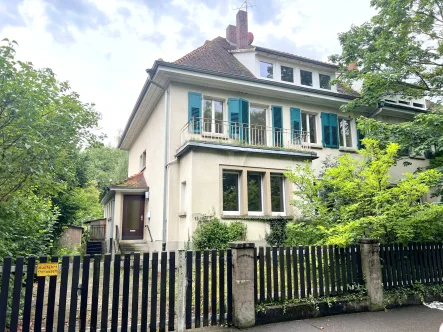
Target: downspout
{"x": 165, "y": 174}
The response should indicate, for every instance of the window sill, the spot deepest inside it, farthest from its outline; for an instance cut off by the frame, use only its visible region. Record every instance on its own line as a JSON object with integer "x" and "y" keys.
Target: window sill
{"x": 343, "y": 149}
{"x": 182, "y": 215}
{"x": 316, "y": 146}
{"x": 254, "y": 218}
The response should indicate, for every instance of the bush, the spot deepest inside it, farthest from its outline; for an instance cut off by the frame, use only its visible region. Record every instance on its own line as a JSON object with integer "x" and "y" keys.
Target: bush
{"x": 303, "y": 233}
{"x": 211, "y": 233}
{"x": 277, "y": 236}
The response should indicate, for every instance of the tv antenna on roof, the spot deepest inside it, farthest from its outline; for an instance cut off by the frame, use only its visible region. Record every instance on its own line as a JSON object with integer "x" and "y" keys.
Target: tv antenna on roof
{"x": 245, "y": 5}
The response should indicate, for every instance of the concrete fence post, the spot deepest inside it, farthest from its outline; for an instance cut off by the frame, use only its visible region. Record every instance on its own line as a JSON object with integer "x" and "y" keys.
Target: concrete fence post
{"x": 182, "y": 284}
{"x": 370, "y": 258}
{"x": 243, "y": 306}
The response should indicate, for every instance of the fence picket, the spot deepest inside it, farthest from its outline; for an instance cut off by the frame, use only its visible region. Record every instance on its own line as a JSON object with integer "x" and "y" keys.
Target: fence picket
{"x": 221, "y": 287}
{"x": 314, "y": 272}
{"x": 30, "y": 268}
{"x": 439, "y": 258}
{"x": 337, "y": 270}
{"x": 229, "y": 284}
{"x": 135, "y": 288}
{"x": 145, "y": 293}
{"x": 125, "y": 300}
{"x": 282, "y": 274}
{"x": 4, "y": 291}
{"x": 295, "y": 270}
{"x": 261, "y": 260}
{"x": 354, "y": 264}
{"x": 326, "y": 275}
{"x": 95, "y": 290}
{"x": 343, "y": 270}
{"x": 74, "y": 295}
{"x": 105, "y": 293}
{"x": 154, "y": 291}
{"x": 275, "y": 272}
{"x": 206, "y": 288}
{"x": 302, "y": 272}
{"x": 164, "y": 261}
{"x": 434, "y": 263}
{"x": 308, "y": 272}
{"x": 288, "y": 271}
{"x": 268, "y": 274}
{"x": 320, "y": 270}
{"x": 13, "y": 325}
{"x": 214, "y": 287}
{"x": 188, "y": 315}
{"x": 116, "y": 293}
{"x": 39, "y": 300}
{"x": 348, "y": 268}
{"x": 63, "y": 293}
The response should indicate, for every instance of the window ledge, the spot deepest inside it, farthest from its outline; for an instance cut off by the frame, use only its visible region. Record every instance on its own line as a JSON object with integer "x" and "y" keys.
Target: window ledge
{"x": 182, "y": 215}
{"x": 343, "y": 149}
{"x": 315, "y": 146}
{"x": 254, "y": 218}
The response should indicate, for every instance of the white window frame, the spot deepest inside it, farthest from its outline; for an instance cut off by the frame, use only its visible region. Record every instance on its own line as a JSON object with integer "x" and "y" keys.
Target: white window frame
{"x": 239, "y": 192}
{"x": 284, "y": 194}
{"x": 330, "y": 79}
{"x": 142, "y": 160}
{"x": 263, "y": 107}
{"x": 307, "y": 124}
{"x": 256, "y": 213}
{"x": 293, "y": 73}
{"x": 342, "y": 133}
{"x": 312, "y": 78}
{"x": 213, "y": 100}
{"x": 274, "y": 68}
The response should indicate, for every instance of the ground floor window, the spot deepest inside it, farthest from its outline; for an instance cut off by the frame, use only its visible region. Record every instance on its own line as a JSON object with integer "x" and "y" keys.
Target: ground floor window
{"x": 255, "y": 193}
{"x": 231, "y": 192}
{"x": 277, "y": 193}
{"x": 345, "y": 132}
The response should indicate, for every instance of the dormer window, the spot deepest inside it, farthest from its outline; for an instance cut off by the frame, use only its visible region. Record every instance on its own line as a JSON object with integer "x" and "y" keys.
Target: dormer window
{"x": 324, "y": 82}
{"x": 306, "y": 77}
{"x": 266, "y": 70}
{"x": 287, "y": 74}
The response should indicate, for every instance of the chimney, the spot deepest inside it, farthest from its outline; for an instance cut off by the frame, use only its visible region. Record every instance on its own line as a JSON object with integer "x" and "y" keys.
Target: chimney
{"x": 231, "y": 34}
{"x": 242, "y": 30}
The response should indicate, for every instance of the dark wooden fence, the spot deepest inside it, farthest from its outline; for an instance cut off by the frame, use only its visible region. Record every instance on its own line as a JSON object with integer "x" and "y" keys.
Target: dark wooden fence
{"x": 132, "y": 292}
{"x": 299, "y": 272}
{"x": 415, "y": 262}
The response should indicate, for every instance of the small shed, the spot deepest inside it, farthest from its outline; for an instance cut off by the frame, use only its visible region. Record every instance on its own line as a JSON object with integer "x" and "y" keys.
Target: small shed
{"x": 71, "y": 237}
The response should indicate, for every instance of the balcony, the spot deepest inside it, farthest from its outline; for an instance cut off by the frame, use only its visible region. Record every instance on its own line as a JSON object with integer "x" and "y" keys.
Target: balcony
{"x": 229, "y": 135}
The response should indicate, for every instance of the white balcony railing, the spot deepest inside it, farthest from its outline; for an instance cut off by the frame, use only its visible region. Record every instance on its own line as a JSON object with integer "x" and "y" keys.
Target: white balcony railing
{"x": 226, "y": 132}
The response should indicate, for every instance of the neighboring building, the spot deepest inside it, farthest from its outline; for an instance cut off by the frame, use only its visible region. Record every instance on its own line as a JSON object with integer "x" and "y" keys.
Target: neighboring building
{"x": 219, "y": 127}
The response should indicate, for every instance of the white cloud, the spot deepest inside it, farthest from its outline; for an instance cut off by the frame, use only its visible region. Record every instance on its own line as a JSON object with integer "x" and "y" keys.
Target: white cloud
{"x": 106, "y": 63}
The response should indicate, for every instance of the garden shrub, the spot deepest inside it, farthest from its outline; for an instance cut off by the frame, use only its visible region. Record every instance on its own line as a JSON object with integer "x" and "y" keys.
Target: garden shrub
{"x": 211, "y": 233}
{"x": 277, "y": 236}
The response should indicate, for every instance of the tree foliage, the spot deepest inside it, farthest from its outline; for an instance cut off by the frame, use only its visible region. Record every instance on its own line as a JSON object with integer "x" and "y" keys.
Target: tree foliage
{"x": 356, "y": 199}
{"x": 398, "y": 52}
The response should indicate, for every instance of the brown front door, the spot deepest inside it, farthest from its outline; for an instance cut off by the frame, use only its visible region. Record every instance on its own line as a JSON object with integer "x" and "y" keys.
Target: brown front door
{"x": 133, "y": 215}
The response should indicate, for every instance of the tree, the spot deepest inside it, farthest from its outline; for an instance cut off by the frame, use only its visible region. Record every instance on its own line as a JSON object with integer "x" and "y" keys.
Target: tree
{"x": 43, "y": 124}
{"x": 398, "y": 52}
{"x": 355, "y": 199}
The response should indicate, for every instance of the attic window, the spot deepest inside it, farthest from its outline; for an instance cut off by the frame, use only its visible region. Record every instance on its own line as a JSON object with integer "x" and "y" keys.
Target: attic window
{"x": 143, "y": 160}
{"x": 266, "y": 69}
{"x": 306, "y": 77}
{"x": 287, "y": 74}
{"x": 324, "y": 82}
{"x": 404, "y": 102}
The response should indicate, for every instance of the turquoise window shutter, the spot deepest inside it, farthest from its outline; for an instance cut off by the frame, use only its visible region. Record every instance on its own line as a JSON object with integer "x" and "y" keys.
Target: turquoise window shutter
{"x": 360, "y": 136}
{"x": 333, "y": 123}
{"x": 329, "y": 124}
{"x": 326, "y": 135}
{"x": 277, "y": 125}
{"x": 244, "y": 134}
{"x": 296, "y": 125}
{"x": 195, "y": 111}
{"x": 234, "y": 117}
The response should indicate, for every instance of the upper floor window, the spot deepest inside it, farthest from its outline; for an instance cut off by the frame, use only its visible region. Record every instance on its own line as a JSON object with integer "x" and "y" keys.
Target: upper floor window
{"x": 308, "y": 124}
{"x": 257, "y": 119}
{"x": 266, "y": 69}
{"x": 345, "y": 132}
{"x": 287, "y": 74}
{"x": 306, "y": 77}
{"x": 324, "y": 82}
{"x": 143, "y": 160}
{"x": 213, "y": 116}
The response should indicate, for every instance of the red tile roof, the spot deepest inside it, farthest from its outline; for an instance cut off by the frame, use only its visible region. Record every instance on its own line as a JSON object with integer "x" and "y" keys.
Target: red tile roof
{"x": 134, "y": 181}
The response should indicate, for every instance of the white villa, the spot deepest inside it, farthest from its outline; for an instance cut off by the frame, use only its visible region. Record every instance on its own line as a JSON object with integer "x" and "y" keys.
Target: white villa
{"x": 225, "y": 116}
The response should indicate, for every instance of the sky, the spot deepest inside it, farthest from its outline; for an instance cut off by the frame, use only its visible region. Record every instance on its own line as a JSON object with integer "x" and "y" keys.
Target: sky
{"x": 102, "y": 47}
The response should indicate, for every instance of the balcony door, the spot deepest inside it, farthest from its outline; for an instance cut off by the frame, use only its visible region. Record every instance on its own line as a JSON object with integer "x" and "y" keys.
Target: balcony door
{"x": 213, "y": 117}
{"x": 257, "y": 125}
{"x": 133, "y": 215}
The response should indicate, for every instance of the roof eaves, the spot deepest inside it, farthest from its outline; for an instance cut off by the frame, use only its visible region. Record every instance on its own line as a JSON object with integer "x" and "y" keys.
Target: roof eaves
{"x": 296, "y": 57}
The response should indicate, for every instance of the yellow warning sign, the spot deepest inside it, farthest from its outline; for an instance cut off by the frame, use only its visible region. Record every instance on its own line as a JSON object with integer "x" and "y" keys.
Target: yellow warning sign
{"x": 47, "y": 269}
